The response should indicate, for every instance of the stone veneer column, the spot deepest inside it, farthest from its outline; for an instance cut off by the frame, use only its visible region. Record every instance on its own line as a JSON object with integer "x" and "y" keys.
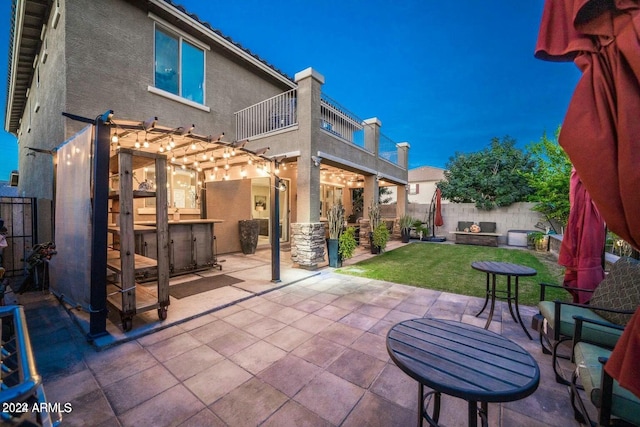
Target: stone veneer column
{"x": 307, "y": 244}
{"x": 308, "y": 235}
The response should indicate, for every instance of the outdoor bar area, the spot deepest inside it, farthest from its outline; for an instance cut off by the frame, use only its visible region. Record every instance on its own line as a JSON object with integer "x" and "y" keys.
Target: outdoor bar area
{"x": 117, "y": 230}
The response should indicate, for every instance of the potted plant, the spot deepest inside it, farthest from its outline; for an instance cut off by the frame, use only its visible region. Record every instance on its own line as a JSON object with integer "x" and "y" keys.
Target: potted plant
{"x": 335, "y": 219}
{"x": 380, "y": 238}
{"x": 421, "y": 230}
{"x": 537, "y": 240}
{"x": 249, "y": 230}
{"x": 347, "y": 243}
{"x": 405, "y": 222}
{"x": 374, "y": 222}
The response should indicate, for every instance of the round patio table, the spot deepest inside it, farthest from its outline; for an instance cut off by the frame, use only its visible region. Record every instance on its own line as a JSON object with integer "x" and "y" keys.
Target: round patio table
{"x": 493, "y": 269}
{"x": 463, "y": 361}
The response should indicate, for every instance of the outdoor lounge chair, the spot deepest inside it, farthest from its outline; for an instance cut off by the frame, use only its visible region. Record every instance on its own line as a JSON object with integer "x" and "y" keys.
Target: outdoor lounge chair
{"x": 615, "y": 404}
{"x": 613, "y": 301}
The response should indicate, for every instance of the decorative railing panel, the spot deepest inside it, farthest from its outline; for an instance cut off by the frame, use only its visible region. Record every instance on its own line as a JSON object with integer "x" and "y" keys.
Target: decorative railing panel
{"x": 388, "y": 149}
{"x": 271, "y": 115}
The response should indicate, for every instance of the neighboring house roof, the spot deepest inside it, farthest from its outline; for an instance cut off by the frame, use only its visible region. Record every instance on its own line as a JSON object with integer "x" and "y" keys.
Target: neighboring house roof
{"x": 426, "y": 173}
{"x": 34, "y": 13}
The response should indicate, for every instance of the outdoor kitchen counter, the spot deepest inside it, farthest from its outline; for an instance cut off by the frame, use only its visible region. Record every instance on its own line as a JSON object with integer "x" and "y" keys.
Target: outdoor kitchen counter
{"x": 191, "y": 244}
{"x": 183, "y": 221}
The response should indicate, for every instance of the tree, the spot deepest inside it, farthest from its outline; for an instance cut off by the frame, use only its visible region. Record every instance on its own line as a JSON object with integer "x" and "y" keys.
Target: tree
{"x": 493, "y": 177}
{"x": 550, "y": 179}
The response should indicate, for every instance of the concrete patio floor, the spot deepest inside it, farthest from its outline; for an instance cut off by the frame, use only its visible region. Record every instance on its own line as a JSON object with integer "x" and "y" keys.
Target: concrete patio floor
{"x": 309, "y": 351}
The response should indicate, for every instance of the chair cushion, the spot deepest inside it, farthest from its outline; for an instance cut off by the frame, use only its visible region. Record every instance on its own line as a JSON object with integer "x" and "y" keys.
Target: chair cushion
{"x": 464, "y": 224}
{"x": 624, "y": 403}
{"x": 593, "y": 333}
{"x": 487, "y": 227}
{"x": 620, "y": 290}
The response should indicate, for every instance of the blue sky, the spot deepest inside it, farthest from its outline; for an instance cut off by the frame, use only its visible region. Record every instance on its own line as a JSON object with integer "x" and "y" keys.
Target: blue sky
{"x": 443, "y": 76}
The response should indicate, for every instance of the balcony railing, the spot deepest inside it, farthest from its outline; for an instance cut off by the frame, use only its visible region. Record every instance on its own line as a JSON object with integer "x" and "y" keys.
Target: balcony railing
{"x": 271, "y": 115}
{"x": 280, "y": 113}
{"x": 388, "y": 149}
{"x": 340, "y": 122}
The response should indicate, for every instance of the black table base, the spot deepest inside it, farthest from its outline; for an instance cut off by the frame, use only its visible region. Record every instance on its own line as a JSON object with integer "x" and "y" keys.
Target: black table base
{"x": 493, "y": 269}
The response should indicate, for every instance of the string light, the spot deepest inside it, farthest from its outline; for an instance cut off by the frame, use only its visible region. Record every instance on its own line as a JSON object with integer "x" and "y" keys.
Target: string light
{"x": 193, "y": 146}
{"x": 243, "y": 172}
{"x": 145, "y": 144}
{"x": 172, "y": 143}
{"x": 137, "y": 143}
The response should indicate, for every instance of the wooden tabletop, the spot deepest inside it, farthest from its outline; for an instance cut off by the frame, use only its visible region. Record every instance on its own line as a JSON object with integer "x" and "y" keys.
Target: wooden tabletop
{"x": 503, "y": 268}
{"x": 463, "y": 360}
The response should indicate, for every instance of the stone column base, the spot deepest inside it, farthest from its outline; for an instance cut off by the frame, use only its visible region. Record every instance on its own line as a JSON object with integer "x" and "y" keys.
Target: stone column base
{"x": 307, "y": 244}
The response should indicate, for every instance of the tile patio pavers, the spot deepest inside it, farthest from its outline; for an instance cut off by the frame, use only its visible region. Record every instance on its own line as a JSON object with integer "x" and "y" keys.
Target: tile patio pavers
{"x": 309, "y": 354}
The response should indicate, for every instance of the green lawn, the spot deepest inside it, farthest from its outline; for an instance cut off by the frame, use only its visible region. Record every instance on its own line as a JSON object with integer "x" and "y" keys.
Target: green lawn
{"x": 445, "y": 267}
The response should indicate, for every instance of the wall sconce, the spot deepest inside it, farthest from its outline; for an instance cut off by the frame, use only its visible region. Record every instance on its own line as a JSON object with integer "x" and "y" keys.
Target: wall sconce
{"x": 316, "y": 160}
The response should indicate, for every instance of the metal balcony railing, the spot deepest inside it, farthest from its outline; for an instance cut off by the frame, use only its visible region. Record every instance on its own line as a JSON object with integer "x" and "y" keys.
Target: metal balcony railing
{"x": 340, "y": 122}
{"x": 273, "y": 114}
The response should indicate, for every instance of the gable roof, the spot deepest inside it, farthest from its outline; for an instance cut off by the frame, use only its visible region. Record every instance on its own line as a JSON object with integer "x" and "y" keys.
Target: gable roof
{"x": 426, "y": 173}
{"x": 29, "y": 16}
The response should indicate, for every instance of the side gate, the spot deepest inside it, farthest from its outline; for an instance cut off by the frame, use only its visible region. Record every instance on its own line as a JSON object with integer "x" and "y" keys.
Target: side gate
{"x": 20, "y": 219}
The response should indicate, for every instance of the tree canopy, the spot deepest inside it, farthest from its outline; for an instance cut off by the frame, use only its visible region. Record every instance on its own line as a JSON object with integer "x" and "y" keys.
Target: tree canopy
{"x": 550, "y": 179}
{"x": 493, "y": 177}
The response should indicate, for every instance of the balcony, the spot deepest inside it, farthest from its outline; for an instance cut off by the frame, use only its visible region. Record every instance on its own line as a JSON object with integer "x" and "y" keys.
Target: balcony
{"x": 279, "y": 114}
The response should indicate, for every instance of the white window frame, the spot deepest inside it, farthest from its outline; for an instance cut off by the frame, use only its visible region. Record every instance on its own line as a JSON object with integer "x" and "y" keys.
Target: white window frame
{"x": 181, "y": 36}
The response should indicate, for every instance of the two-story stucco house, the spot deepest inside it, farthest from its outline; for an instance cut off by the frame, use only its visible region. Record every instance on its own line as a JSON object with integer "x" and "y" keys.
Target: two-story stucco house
{"x": 151, "y": 58}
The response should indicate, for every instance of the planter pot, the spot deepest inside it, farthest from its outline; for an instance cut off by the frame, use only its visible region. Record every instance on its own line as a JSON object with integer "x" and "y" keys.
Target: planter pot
{"x": 334, "y": 256}
{"x": 374, "y": 249}
{"x": 249, "y": 229}
{"x": 404, "y": 236}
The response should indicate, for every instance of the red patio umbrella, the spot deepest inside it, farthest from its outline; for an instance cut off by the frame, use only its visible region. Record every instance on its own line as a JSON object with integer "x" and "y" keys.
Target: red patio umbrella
{"x": 438, "y": 222}
{"x": 582, "y": 243}
{"x": 601, "y": 130}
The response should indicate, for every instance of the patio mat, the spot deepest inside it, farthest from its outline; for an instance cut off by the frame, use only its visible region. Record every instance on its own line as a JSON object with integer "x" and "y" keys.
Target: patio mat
{"x": 183, "y": 290}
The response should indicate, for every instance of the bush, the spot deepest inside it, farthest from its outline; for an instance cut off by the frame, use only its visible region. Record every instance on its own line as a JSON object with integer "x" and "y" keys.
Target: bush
{"x": 347, "y": 243}
{"x": 381, "y": 236}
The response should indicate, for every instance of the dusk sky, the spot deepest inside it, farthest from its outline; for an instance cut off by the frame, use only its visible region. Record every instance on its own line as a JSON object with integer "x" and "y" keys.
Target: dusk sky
{"x": 445, "y": 76}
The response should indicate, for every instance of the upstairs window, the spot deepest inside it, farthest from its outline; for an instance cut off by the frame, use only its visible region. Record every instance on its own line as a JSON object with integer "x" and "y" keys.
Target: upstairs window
{"x": 179, "y": 66}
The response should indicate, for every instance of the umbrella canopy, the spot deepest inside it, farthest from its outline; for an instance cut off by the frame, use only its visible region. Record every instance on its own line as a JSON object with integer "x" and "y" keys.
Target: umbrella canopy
{"x": 582, "y": 243}
{"x": 438, "y": 222}
{"x": 601, "y": 130}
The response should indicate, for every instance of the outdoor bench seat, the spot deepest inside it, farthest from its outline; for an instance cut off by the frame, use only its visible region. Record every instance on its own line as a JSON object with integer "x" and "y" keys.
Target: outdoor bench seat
{"x": 613, "y": 402}
{"x": 486, "y": 237}
{"x": 480, "y": 239}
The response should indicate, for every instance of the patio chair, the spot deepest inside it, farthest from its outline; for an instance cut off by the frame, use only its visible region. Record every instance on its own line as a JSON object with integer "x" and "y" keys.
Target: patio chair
{"x": 615, "y": 404}
{"x": 613, "y": 301}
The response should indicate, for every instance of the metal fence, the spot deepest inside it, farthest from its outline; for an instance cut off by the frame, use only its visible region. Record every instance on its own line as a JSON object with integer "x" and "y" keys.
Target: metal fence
{"x": 19, "y": 215}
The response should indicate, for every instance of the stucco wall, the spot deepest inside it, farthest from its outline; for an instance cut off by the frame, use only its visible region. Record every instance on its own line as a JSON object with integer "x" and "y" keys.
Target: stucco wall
{"x": 47, "y": 125}
{"x": 110, "y": 66}
{"x": 229, "y": 201}
{"x": 518, "y": 216}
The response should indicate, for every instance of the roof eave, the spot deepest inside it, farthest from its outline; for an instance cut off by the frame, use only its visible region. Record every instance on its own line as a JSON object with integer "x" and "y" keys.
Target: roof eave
{"x": 222, "y": 41}
{"x": 16, "y": 35}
